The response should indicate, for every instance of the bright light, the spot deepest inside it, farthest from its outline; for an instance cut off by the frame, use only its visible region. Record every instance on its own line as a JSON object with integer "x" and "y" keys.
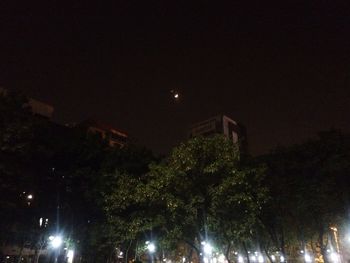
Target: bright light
{"x": 40, "y": 221}
{"x": 175, "y": 94}
{"x": 70, "y": 256}
{"x": 30, "y": 197}
{"x": 221, "y": 258}
{"x": 334, "y": 229}
{"x": 207, "y": 248}
{"x": 51, "y": 238}
{"x": 307, "y": 258}
{"x": 334, "y": 257}
{"x": 253, "y": 258}
{"x": 56, "y": 241}
{"x": 240, "y": 259}
{"x": 151, "y": 247}
{"x": 261, "y": 259}
{"x": 273, "y": 258}
{"x": 282, "y": 259}
{"x": 205, "y": 260}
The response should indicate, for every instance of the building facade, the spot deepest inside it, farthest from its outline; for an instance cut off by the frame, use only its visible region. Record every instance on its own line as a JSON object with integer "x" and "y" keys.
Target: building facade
{"x": 113, "y": 136}
{"x": 220, "y": 124}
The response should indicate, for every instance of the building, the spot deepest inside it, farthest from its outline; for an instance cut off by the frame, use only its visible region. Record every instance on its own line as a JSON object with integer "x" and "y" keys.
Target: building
{"x": 113, "y": 136}
{"x": 38, "y": 108}
{"x": 220, "y": 124}
{"x": 41, "y": 109}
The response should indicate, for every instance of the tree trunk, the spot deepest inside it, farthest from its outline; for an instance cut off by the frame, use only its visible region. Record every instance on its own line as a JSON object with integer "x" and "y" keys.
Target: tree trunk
{"x": 267, "y": 254}
{"x": 193, "y": 246}
{"x": 37, "y": 255}
{"x": 283, "y": 251}
{"x": 189, "y": 257}
{"x": 322, "y": 246}
{"x": 38, "y": 249}
{"x": 127, "y": 252}
{"x": 227, "y": 253}
{"x": 20, "y": 253}
{"x": 246, "y": 252}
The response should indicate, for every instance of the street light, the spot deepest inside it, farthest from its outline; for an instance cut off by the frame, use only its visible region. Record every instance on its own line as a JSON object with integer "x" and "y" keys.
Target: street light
{"x": 335, "y": 233}
{"x": 30, "y": 197}
{"x": 55, "y": 241}
{"x": 70, "y": 256}
{"x": 151, "y": 247}
{"x": 207, "y": 249}
{"x": 307, "y": 258}
{"x": 335, "y": 257}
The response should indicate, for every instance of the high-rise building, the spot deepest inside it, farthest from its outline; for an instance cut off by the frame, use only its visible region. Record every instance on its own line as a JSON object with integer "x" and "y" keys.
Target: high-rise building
{"x": 220, "y": 124}
{"x": 40, "y": 108}
{"x": 113, "y": 136}
{"x": 37, "y": 107}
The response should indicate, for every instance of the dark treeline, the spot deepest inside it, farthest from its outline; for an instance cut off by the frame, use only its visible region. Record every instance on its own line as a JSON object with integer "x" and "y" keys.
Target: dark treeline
{"x": 107, "y": 202}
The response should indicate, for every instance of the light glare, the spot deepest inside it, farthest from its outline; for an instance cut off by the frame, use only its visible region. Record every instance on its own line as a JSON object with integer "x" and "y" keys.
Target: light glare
{"x": 334, "y": 257}
{"x": 151, "y": 247}
{"x": 207, "y": 248}
{"x": 56, "y": 241}
{"x": 308, "y": 258}
{"x": 70, "y": 256}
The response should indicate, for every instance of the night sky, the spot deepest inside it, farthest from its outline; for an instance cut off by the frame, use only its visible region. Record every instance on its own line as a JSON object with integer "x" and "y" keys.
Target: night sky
{"x": 281, "y": 70}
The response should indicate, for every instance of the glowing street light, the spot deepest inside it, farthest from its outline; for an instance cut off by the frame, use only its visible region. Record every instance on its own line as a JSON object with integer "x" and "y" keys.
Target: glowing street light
{"x": 70, "y": 256}
{"x": 307, "y": 258}
{"x": 151, "y": 247}
{"x": 55, "y": 241}
{"x": 30, "y": 197}
{"x": 207, "y": 249}
{"x": 335, "y": 257}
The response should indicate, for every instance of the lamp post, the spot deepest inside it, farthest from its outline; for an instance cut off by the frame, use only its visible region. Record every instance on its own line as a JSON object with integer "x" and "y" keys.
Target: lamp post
{"x": 151, "y": 247}
{"x": 208, "y": 250}
{"x": 336, "y": 240}
{"x": 56, "y": 243}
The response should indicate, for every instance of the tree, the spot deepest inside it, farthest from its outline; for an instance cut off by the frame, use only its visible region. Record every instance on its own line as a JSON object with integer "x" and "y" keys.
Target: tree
{"x": 188, "y": 197}
{"x": 310, "y": 181}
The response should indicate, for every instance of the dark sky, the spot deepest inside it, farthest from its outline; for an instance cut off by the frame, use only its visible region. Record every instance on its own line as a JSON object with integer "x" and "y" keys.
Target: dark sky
{"x": 282, "y": 69}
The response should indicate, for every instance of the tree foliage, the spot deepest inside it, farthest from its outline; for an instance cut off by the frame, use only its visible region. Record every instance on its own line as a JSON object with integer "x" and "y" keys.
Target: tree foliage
{"x": 199, "y": 193}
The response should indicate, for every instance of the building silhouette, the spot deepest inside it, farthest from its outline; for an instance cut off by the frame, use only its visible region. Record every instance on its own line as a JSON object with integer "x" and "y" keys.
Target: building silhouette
{"x": 221, "y": 124}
